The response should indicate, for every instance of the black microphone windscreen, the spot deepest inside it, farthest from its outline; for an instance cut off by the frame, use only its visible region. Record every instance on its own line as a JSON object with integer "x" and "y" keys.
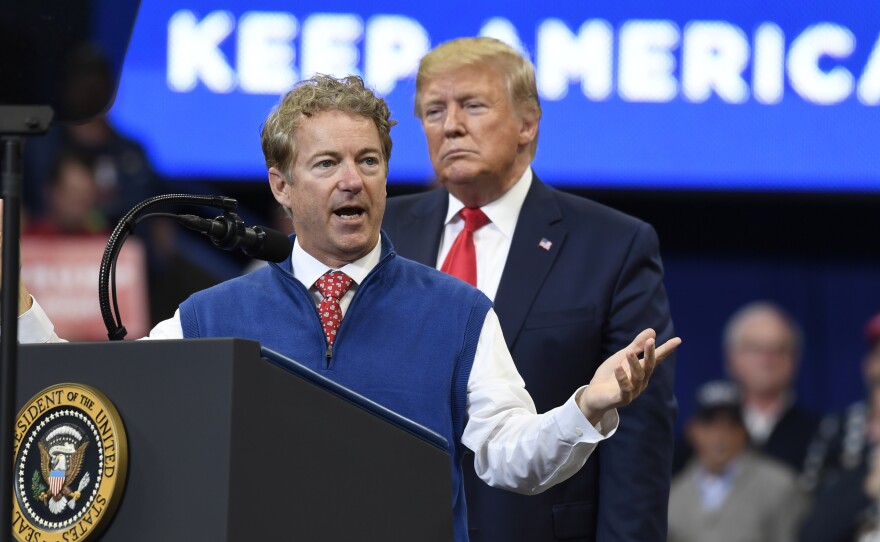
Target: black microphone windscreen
{"x": 275, "y": 247}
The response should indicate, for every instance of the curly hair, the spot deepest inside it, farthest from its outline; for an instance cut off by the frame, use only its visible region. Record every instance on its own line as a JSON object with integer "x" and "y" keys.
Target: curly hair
{"x": 314, "y": 95}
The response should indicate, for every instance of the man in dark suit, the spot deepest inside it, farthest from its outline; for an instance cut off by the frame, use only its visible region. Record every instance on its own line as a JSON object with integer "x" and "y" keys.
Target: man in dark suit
{"x": 571, "y": 280}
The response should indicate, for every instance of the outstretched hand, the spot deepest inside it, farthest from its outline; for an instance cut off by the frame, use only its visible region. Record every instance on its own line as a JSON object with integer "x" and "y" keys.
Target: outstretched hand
{"x": 623, "y": 377}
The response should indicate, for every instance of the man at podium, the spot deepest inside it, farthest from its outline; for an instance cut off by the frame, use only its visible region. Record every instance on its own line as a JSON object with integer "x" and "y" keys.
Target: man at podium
{"x": 417, "y": 341}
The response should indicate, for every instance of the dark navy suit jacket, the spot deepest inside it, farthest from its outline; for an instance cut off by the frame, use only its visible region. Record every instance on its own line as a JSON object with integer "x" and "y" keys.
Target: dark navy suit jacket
{"x": 563, "y": 311}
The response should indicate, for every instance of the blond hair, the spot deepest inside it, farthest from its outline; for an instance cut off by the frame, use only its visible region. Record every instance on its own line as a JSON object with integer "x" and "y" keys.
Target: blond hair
{"x": 516, "y": 70}
{"x": 314, "y": 95}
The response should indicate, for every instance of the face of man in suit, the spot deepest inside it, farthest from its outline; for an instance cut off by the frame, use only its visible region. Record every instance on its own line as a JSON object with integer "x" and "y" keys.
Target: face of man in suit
{"x": 478, "y": 142}
{"x": 717, "y": 439}
{"x": 336, "y": 186}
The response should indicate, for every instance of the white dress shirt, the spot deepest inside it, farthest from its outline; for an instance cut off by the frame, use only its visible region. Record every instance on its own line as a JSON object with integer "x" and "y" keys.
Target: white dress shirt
{"x": 514, "y": 448}
{"x": 761, "y": 423}
{"x": 714, "y": 488}
{"x": 492, "y": 241}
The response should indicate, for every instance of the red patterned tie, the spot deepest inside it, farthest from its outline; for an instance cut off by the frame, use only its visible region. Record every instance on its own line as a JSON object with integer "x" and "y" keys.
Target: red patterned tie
{"x": 332, "y": 285}
{"x": 461, "y": 261}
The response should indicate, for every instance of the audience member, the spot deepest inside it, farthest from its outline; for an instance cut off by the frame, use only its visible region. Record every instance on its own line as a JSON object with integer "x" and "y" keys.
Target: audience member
{"x": 762, "y": 346}
{"x": 842, "y": 467}
{"x": 122, "y": 170}
{"x": 71, "y": 199}
{"x": 123, "y": 177}
{"x": 729, "y": 492}
{"x": 869, "y": 530}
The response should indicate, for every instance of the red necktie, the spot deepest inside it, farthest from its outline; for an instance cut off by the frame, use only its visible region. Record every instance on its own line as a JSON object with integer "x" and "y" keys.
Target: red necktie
{"x": 461, "y": 261}
{"x": 332, "y": 285}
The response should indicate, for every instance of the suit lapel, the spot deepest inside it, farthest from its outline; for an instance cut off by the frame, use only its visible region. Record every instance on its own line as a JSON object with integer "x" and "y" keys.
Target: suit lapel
{"x": 537, "y": 240}
{"x": 424, "y": 221}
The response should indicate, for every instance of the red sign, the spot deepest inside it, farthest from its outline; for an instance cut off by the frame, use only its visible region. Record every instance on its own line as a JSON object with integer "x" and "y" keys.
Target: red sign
{"x": 62, "y": 274}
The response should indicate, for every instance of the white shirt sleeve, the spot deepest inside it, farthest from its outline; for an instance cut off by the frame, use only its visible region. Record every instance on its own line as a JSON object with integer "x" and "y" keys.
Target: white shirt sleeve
{"x": 514, "y": 447}
{"x": 167, "y": 329}
{"x": 34, "y": 327}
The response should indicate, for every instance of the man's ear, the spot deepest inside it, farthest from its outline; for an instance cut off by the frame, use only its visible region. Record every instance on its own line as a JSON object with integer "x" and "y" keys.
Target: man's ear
{"x": 528, "y": 129}
{"x": 280, "y": 187}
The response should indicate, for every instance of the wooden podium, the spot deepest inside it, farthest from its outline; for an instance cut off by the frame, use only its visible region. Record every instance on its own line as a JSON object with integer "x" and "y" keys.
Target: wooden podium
{"x": 230, "y": 443}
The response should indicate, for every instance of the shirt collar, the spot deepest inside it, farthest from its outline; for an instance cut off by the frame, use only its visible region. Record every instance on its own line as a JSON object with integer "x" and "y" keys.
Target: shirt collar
{"x": 307, "y": 269}
{"x": 774, "y": 413}
{"x": 726, "y": 475}
{"x": 504, "y": 211}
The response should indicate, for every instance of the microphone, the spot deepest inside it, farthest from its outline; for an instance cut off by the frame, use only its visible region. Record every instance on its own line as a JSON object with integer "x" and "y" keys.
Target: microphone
{"x": 228, "y": 232}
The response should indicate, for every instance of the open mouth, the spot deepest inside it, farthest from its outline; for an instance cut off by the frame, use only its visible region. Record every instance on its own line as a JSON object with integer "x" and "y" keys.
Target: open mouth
{"x": 349, "y": 213}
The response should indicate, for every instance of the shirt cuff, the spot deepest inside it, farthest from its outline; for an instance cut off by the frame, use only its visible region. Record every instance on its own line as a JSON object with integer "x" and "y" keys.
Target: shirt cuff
{"x": 576, "y": 428}
{"x": 34, "y": 326}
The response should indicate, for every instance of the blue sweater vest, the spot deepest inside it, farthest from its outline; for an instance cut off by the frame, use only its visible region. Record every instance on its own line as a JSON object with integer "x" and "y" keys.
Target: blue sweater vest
{"x": 407, "y": 340}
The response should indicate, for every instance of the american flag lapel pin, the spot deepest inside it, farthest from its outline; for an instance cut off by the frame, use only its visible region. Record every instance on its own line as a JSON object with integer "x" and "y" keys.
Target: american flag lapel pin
{"x": 545, "y": 243}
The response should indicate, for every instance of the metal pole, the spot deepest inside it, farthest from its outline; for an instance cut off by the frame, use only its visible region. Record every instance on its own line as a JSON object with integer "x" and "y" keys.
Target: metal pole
{"x": 11, "y": 192}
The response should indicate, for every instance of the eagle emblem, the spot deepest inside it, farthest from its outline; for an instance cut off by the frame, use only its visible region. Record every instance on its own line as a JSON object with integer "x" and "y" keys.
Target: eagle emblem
{"x": 71, "y": 460}
{"x": 61, "y": 460}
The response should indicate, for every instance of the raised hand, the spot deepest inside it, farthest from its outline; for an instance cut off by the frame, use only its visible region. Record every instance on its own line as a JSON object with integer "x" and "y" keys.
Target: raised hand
{"x": 623, "y": 376}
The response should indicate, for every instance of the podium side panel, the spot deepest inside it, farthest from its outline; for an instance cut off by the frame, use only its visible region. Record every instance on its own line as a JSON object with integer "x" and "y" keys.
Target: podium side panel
{"x": 333, "y": 471}
{"x": 174, "y": 401}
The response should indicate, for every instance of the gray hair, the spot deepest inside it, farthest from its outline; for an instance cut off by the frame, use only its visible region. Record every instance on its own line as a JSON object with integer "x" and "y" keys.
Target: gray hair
{"x": 733, "y": 328}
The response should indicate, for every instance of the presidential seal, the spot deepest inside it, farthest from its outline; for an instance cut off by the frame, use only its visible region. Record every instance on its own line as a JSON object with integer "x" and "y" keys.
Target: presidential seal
{"x": 70, "y": 464}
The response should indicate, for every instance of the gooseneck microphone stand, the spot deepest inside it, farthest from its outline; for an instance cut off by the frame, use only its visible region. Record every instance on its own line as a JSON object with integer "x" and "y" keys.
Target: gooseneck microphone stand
{"x": 16, "y": 123}
{"x": 107, "y": 274}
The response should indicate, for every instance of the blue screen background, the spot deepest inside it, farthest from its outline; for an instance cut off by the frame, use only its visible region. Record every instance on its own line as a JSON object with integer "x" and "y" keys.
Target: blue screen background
{"x": 793, "y": 145}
